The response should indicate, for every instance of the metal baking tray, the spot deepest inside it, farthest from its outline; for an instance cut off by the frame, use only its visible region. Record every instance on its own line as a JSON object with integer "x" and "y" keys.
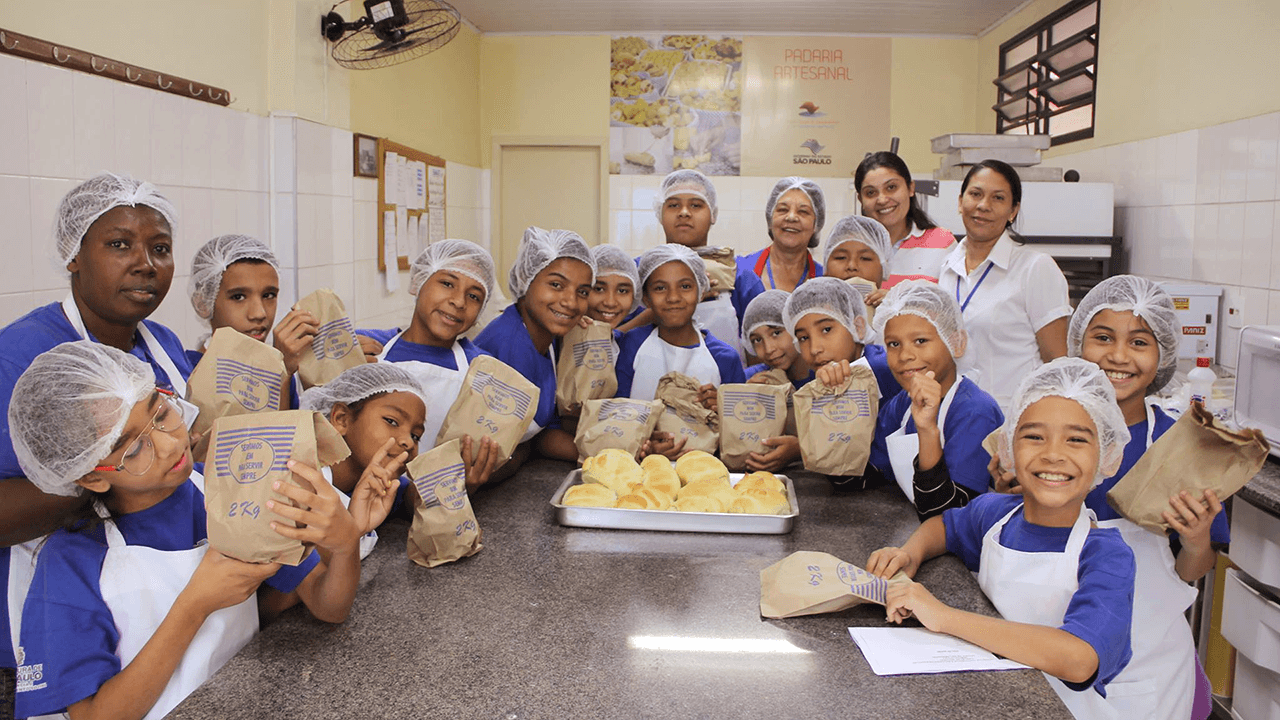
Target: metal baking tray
{"x": 673, "y": 520}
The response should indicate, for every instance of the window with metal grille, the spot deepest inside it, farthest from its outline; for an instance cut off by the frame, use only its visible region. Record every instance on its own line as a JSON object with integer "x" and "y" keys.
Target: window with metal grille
{"x": 1048, "y": 76}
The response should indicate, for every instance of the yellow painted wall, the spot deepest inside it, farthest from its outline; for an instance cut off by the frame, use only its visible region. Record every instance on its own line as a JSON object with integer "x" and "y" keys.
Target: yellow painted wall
{"x": 931, "y": 94}
{"x": 431, "y": 103}
{"x": 1164, "y": 66}
{"x": 545, "y": 85}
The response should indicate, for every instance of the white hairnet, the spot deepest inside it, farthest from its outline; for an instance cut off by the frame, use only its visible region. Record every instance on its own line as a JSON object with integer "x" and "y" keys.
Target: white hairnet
{"x": 656, "y": 257}
{"x": 613, "y": 260}
{"x": 764, "y": 309}
{"x": 70, "y": 407}
{"x": 864, "y": 230}
{"x": 928, "y": 300}
{"x": 810, "y": 189}
{"x": 538, "y": 249}
{"x": 359, "y": 383}
{"x": 686, "y": 182}
{"x": 1147, "y": 300}
{"x": 213, "y": 258}
{"x": 831, "y": 297}
{"x": 1082, "y": 381}
{"x": 460, "y": 256}
{"x": 92, "y": 198}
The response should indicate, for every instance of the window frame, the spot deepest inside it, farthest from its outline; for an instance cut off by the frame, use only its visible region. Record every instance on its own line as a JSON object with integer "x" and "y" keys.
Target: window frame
{"x": 1043, "y": 77}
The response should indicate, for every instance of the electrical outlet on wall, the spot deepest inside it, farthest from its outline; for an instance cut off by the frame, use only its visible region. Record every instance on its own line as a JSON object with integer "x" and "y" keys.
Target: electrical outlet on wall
{"x": 1231, "y": 307}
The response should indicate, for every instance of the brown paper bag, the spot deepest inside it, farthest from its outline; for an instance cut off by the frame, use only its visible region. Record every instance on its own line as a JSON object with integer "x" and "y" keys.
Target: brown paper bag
{"x": 585, "y": 370}
{"x": 237, "y": 376}
{"x": 444, "y": 526}
{"x": 1195, "y": 455}
{"x": 749, "y": 414}
{"x": 334, "y": 347}
{"x": 775, "y": 376}
{"x": 248, "y": 456}
{"x": 495, "y": 401}
{"x": 836, "y": 424}
{"x": 685, "y": 417}
{"x": 620, "y": 423}
{"x": 722, "y": 267}
{"x": 810, "y": 583}
{"x": 864, "y": 287}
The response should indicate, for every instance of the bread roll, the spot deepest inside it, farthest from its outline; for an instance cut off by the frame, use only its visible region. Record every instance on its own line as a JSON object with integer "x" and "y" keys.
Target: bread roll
{"x": 699, "y": 504}
{"x": 613, "y": 468}
{"x": 668, "y": 485}
{"x": 698, "y": 465}
{"x": 761, "y": 481}
{"x": 633, "y": 502}
{"x": 656, "y": 500}
{"x": 589, "y": 495}
{"x": 722, "y": 493}
{"x": 770, "y": 502}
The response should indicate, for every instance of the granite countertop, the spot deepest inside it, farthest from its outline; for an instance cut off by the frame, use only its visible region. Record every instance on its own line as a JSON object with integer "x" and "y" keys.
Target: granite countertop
{"x": 1264, "y": 489}
{"x": 551, "y": 622}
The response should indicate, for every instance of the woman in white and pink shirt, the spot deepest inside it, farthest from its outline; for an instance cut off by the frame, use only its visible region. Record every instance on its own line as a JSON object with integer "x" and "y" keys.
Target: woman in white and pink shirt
{"x": 888, "y": 195}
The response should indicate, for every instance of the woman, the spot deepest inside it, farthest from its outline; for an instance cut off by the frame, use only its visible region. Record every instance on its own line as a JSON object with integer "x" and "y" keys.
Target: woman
{"x": 795, "y": 213}
{"x": 1014, "y": 299}
{"x": 888, "y": 195}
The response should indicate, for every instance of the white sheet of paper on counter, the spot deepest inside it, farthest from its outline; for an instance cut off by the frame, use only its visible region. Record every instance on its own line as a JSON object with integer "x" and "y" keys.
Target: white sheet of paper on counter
{"x": 389, "y": 250}
{"x": 916, "y": 651}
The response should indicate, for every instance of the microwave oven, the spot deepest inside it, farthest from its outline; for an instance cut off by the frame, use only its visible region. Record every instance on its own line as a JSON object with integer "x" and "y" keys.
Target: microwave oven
{"x": 1258, "y": 382}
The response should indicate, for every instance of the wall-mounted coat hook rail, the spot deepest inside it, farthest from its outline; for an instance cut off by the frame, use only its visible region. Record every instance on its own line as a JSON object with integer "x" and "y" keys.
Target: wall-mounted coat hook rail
{"x": 31, "y": 48}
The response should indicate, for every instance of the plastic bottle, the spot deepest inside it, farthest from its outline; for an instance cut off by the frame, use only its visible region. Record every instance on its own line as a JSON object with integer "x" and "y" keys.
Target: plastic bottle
{"x": 1201, "y": 379}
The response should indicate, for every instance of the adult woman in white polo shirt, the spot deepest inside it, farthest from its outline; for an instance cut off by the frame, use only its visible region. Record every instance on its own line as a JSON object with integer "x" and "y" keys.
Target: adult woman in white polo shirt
{"x": 1014, "y": 299}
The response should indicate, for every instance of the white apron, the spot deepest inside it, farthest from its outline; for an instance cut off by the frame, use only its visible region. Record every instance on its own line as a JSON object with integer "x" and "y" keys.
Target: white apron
{"x": 1159, "y": 681}
{"x": 903, "y": 447}
{"x": 1035, "y": 588}
{"x": 657, "y": 357}
{"x": 140, "y": 584}
{"x": 369, "y": 539}
{"x": 719, "y": 318}
{"x": 439, "y": 383}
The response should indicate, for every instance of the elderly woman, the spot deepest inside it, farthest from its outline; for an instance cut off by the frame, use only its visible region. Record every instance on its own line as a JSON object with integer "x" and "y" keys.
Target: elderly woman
{"x": 795, "y": 213}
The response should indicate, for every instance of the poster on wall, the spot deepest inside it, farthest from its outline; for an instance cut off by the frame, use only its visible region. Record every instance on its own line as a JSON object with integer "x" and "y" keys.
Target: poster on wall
{"x": 675, "y": 102}
{"x": 815, "y": 106}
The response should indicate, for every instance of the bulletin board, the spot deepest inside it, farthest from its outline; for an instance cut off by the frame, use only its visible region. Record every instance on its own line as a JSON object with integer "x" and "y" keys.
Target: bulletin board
{"x": 411, "y": 202}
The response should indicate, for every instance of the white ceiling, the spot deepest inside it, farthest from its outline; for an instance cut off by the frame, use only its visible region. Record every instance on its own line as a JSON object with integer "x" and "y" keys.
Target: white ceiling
{"x": 738, "y": 17}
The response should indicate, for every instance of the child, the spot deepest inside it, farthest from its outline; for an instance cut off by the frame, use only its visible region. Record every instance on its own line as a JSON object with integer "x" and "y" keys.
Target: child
{"x": 859, "y": 247}
{"x": 827, "y": 319}
{"x": 551, "y": 281}
{"x": 1064, "y": 589}
{"x": 379, "y": 409}
{"x": 766, "y": 337}
{"x": 129, "y": 610}
{"x": 235, "y": 283}
{"x": 686, "y": 208}
{"x": 929, "y": 438}
{"x": 794, "y": 215}
{"x": 1127, "y": 326}
{"x": 613, "y": 297}
{"x": 888, "y": 195}
{"x": 453, "y": 280}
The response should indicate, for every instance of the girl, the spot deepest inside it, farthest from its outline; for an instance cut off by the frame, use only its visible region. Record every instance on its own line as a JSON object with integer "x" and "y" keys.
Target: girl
{"x": 1064, "y": 589}
{"x": 794, "y": 213}
{"x": 129, "y": 609}
{"x": 929, "y": 438}
{"x": 827, "y": 320}
{"x": 859, "y": 247}
{"x": 888, "y": 195}
{"x": 613, "y": 297}
{"x": 766, "y": 336}
{"x": 453, "y": 280}
{"x": 1014, "y": 299}
{"x": 1128, "y": 327}
{"x": 235, "y": 282}
{"x": 551, "y": 281}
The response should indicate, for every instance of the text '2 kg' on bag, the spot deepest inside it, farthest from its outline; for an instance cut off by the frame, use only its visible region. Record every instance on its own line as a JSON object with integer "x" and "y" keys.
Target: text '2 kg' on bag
{"x": 496, "y": 401}
{"x": 585, "y": 370}
{"x": 836, "y": 424}
{"x": 749, "y": 415}
{"x": 444, "y": 526}
{"x": 619, "y": 423}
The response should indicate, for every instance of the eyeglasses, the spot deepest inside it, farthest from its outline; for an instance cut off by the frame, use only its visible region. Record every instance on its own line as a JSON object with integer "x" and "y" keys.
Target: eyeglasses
{"x": 140, "y": 455}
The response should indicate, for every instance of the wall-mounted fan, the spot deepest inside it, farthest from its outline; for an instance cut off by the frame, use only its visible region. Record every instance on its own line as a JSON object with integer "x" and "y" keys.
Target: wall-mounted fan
{"x": 390, "y": 32}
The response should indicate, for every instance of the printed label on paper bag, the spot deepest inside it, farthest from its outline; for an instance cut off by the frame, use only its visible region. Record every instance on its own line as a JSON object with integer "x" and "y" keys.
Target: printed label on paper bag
{"x": 252, "y": 388}
{"x": 748, "y": 407}
{"x": 448, "y": 485}
{"x": 499, "y": 396}
{"x": 249, "y": 455}
{"x": 623, "y": 411}
{"x": 334, "y": 340}
{"x": 844, "y": 407}
{"x": 862, "y": 583}
{"x": 595, "y": 354}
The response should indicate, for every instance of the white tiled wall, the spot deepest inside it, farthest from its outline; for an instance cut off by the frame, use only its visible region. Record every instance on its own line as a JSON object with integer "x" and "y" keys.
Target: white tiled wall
{"x": 740, "y": 222}
{"x": 217, "y": 167}
{"x": 1201, "y": 206}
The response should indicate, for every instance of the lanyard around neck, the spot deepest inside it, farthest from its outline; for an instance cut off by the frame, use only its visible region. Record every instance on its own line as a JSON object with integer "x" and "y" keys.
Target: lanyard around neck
{"x": 965, "y": 305}
{"x": 768, "y": 268}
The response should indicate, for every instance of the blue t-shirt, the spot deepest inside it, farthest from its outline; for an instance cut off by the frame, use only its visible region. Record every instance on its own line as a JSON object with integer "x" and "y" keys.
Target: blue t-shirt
{"x": 508, "y": 340}
{"x": 1101, "y": 610}
{"x": 746, "y": 286}
{"x": 20, "y": 342}
{"x": 972, "y": 416}
{"x": 749, "y": 262}
{"x": 725, "y": 357}
{"x": 878, "y": 358}
{"x": 404, "y": 350}
{"x": 1219, "y": 531}
{"x": 67, "y": 628}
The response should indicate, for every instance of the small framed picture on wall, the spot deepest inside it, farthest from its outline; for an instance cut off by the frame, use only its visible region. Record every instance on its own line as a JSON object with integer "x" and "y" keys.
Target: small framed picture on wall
{"x": 365, "y": 155}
